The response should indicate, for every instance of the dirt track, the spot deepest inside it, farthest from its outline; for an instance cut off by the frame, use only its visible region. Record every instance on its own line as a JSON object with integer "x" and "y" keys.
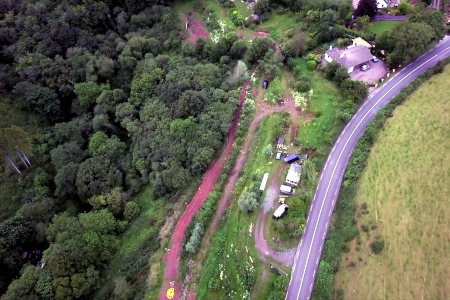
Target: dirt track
{"x": 196, "y": 30}
{"x": 285, "y": 257}
{"x": 173, "y": 256}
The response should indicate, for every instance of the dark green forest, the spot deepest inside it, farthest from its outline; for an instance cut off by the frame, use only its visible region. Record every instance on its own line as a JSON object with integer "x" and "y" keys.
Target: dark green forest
{"x": 100, "y": 99}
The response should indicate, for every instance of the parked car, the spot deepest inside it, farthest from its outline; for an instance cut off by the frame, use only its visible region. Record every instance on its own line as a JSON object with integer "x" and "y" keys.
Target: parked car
{"x": 375, "y": 59}
{"x": 278, "y": 156}
{"x": 265, "y": 84}
{"x": 364, "y": 67}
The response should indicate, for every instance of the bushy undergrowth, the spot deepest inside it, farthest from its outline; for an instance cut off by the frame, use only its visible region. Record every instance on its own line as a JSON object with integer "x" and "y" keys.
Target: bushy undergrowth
{"x": 273, "y": 93}
{"x": 214, "y": 274}
{"x": 343, "y": 229}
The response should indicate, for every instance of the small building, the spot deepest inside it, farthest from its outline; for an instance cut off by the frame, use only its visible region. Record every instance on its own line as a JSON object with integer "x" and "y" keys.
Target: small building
{"x": 292, "y": 158}
{"x": 293, "y": 175}
{"x": 360, "y": 42}
{"x": 281, "y": 210}
{"x": 263, "y": 183}
{"x": 349, "y": 58}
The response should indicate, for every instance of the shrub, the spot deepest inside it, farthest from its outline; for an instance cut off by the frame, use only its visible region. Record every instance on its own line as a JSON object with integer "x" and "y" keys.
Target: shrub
{"x": 263, "y": 10}
{"x": 377, "y": 246}
{"x": 268, "y": 151}
{"x": 357, "y": 91}
{"x": 131, "y": 211}
{"x": 303, "y": 85}
{"x": 311, "y": 65}
{"x": 195, "y": 240}
{"x": 248, "y": 201}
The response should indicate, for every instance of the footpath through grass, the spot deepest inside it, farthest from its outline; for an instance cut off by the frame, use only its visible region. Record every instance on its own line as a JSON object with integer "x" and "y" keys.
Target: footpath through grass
{"x": 406, "y": 190}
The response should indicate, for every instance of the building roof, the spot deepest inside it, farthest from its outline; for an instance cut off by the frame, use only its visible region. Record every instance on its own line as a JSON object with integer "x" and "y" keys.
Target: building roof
{"x": 382, "y": 3}
{"x": 360, "y": 42}
{"x": 350, "y": 57}
{"x": 280, "y": 140}
{"x": 294, "y": 173}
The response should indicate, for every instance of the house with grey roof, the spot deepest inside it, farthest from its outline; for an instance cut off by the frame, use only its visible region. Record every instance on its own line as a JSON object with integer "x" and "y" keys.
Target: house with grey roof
{"x": 293, "y": 175}
{"x": 382, "y": 4}
{"x": 349, "y": 58}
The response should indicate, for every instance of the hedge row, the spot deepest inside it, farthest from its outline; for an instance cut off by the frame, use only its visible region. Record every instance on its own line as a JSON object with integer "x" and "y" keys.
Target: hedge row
{"x": 343, "y": 229}
{"x": 354, "y": 33}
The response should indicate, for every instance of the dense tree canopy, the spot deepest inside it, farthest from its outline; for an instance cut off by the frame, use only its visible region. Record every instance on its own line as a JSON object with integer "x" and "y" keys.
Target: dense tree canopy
{"x": 366, "y": 8}
{"x": 119, "y": 114}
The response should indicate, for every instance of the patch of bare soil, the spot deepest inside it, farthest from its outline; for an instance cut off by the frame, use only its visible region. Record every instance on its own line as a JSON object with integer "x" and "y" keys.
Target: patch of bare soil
{"x": 260, "y": 34}
{"x": 196, "y": 29}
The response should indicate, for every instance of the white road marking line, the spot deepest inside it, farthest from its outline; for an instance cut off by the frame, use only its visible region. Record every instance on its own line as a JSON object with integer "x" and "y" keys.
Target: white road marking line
{"x": 317, "y": 261}
{"x": 337, "y": 162}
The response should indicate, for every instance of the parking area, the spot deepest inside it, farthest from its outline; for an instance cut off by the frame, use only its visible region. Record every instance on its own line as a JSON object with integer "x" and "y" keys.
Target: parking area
{"x": 376, "y": 71}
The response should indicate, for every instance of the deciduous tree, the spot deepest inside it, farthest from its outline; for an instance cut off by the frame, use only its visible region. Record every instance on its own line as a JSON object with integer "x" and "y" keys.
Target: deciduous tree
{"x": 248, "y": 201}
{"x": 366, "y": 8}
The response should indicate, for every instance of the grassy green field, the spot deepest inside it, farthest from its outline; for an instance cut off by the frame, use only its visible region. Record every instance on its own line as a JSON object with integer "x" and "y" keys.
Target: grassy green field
{"x": 405, "y": 187}
{"x": 323, "y": 106}
{"x": 380, "y": 26}
{"x": 281, "y": 26}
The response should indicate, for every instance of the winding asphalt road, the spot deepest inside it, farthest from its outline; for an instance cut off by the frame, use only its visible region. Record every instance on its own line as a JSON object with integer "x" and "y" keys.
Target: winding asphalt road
{"x": 309, "y": 251}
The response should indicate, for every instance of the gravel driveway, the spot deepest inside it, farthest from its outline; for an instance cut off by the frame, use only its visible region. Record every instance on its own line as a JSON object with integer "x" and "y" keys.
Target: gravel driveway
{"x": 376, "y": 71}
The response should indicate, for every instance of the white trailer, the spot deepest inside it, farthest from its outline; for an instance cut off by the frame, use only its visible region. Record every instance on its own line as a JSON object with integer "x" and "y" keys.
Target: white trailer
{"x": 263, "y": 183}
{"x": 285, "y": 189}
{"x": 280, "y": 211}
